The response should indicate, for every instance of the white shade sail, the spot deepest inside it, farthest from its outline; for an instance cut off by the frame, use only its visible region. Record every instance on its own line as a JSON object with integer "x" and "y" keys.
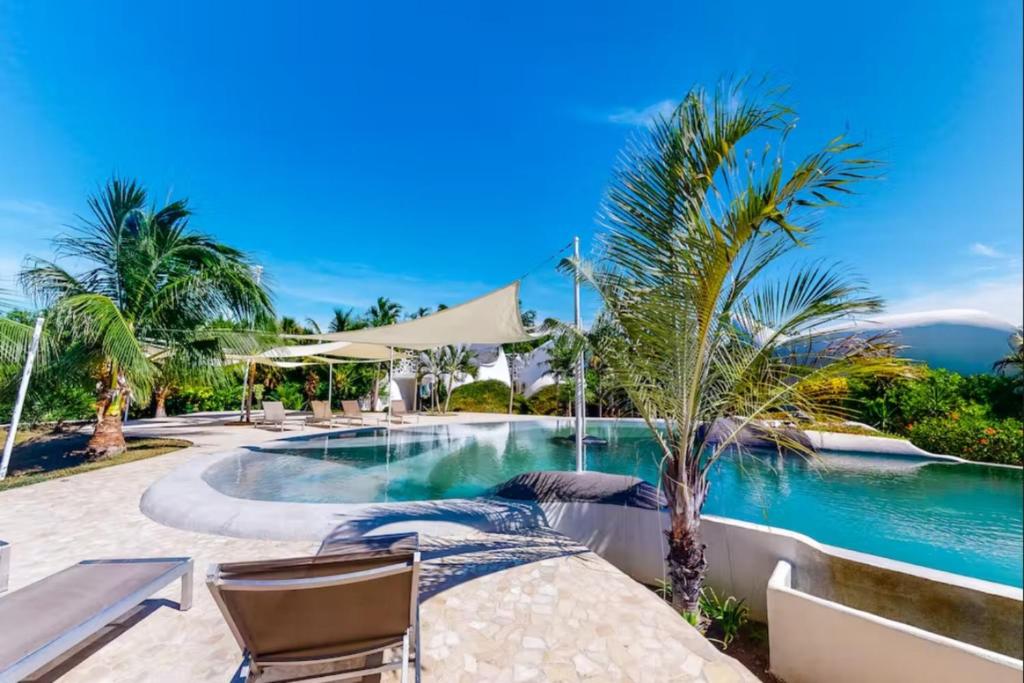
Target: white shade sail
{"x": 334, "y": 349}
{"x": 493, "y": 318}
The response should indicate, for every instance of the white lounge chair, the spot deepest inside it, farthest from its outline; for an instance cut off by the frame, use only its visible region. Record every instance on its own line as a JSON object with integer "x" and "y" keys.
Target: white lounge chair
{"x": 322, "y": 415}
{"x": 46, "y": 619}
{"x": 273, "y": 414}
{"x": 330, "y": 617}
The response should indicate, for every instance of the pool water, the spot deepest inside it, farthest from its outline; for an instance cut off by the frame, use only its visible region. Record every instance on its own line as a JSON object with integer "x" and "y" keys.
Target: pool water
{"x": 961, "y": 518}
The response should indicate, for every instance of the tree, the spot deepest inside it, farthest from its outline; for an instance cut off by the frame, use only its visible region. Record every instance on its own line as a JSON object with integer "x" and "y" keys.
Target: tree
{"x": 148, "y": 275}
{"x": 1013, "y": 362}
{"x": 562, "y": 354}
{"x": 456, "y": 361}
{"x": 515, "y": 350}
{"x": 692, "y": 224}
{"x": 383, "y": 312}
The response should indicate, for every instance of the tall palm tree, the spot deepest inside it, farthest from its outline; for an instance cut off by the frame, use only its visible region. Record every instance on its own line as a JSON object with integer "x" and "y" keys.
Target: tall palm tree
{"x": 516, "y": 350}
{"x": 343, "y": 320}
{"x": 693, "y": 221}
{"x": 456, "y": 361}
{"x": 383, "y": 312}
{"x": 149, "y": 277}
{"x": 562, "y": 355}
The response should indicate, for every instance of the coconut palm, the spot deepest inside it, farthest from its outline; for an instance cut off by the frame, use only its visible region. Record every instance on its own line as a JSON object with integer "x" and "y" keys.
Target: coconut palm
{"x": 383, "y": 312}
{"x": 692, "y": 224}
{"x": 456, "y": 361}
{"x": 345, "y": 321}
{"x": 148, "y": 276}
{"x": 562, "y": 355}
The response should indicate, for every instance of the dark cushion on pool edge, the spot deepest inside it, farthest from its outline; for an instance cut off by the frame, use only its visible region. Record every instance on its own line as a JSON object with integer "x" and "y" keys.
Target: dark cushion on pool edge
{"x": 581, "y": 487}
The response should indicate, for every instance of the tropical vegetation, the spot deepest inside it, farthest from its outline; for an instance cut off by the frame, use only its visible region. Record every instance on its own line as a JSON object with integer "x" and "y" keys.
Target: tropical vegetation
{"x": 696, "y": 223}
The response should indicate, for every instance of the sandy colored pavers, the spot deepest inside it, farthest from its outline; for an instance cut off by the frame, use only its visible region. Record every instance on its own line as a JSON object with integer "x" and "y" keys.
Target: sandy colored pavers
{"x": 495, "y": 607}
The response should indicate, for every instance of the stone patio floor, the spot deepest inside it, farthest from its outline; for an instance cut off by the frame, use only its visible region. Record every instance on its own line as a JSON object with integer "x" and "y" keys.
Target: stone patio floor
{"x": 494, "y": 607}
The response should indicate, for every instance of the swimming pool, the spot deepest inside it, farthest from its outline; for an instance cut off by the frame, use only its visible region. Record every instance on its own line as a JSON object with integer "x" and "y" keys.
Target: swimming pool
{"x": 961, "y": 518}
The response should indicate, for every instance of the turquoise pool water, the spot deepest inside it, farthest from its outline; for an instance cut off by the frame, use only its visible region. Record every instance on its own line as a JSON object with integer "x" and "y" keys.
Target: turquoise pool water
{"x": 960, "y": 518}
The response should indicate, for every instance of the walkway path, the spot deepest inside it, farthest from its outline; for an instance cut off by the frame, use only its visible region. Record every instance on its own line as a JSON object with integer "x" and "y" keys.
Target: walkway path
{"x": 496, "y": 607}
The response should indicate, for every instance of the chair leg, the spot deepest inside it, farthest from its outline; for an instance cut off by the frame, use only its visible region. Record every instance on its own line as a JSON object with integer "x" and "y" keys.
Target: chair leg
{"x": 185, "y": 603}
{"x": 405, "y": 658}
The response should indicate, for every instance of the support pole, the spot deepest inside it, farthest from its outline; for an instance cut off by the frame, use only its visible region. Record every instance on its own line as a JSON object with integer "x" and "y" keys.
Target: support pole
{"x": 391, "y": 369}
{"x": 330, "y": 383}
{"x": 245, "y": 392}
{"x": 581, "y": 379}
{"x": 20, "y": 401}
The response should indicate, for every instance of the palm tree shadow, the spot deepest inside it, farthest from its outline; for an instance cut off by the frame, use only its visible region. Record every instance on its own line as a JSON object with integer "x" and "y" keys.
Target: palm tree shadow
{"x": 477, "y": 537}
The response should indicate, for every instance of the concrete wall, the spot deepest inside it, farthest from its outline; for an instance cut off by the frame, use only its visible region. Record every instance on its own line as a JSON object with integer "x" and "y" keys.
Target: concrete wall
{"x": 812, "y": 639}
{"x": 742, "y": 556}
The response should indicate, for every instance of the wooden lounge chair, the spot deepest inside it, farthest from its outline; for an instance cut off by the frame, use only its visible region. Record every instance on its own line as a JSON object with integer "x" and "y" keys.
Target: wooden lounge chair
{"x": 46, "y": 619}
{"x": 273, "y": 414}
{"x": 398, "y": 412}
{"x": 325, "y": 618}
{"x": 322, "y": 415}
{"x": 352, "y": 412}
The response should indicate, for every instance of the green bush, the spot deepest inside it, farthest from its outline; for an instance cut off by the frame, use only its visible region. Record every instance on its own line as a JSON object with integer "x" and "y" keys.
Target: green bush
{"x": 194, "y": 399}
{"x": 546, "y": 401}
{"x": 971, "y": 436}
{"x": 486, "y": 396}
{"x": 289, "y": 393}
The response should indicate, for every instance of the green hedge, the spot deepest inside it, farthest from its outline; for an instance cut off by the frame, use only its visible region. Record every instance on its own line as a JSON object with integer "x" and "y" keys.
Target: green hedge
{"x": 486, "y": 396}
{"x": 971, "y": 437}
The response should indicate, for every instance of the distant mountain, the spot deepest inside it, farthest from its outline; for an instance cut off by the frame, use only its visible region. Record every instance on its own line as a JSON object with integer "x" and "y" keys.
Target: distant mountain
{"x": 961, "y": 340}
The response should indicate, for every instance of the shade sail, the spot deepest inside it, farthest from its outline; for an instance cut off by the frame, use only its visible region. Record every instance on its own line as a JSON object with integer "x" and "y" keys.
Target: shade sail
{"x": 333, "y": 349}
{"x": 493, "y": 318}
{"x": 263, "y": 360}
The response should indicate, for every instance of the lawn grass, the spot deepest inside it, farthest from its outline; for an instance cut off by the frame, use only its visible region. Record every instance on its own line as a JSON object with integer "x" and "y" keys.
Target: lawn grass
{"x": 38, "y": 470}
{"x": 843, "y": 428}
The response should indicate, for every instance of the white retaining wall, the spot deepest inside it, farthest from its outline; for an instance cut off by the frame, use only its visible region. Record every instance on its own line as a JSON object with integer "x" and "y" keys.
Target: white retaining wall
{"x": 812, "y": 639}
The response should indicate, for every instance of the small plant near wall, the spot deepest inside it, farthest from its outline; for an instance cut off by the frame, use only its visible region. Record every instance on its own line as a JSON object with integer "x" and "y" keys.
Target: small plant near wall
{"x": 721, "y": 616}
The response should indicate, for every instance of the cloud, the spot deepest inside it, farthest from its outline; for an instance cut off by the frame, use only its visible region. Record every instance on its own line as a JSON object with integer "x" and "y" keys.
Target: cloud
{"x": 642, "y": 117}
{"x": 979, "y": 249}
{"x": 1001, "y": 296}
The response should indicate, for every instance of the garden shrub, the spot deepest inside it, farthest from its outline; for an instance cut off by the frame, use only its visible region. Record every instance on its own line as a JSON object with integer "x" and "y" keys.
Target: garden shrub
{"x": 289, "y": 393}
{"x": 546, "y": 401}
{"x": 971, "y": 436}
{"x": 485, "y": 396}
{"x": 194, "y": 399}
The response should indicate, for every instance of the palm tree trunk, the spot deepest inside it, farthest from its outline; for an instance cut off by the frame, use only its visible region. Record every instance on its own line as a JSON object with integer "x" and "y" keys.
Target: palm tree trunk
{"x": 448, "y": 395}
{"x": 161, "y": 394}
{"x": 686, "y": 563}
{"x": 375, "y": 391}
{"x": 558, "y": 397}
{"x": 108, "y": 436}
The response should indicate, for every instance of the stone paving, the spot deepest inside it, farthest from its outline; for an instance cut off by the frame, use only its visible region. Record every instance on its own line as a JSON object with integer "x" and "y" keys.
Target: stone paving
{"x": 495, "y": 607}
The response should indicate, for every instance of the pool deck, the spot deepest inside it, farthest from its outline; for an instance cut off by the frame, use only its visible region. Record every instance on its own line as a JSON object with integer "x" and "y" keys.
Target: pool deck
{"x": 531, "y": 606}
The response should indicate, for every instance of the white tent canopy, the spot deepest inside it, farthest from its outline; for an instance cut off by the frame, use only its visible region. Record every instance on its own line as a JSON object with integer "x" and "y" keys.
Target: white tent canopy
{"x": 493, "y": 318}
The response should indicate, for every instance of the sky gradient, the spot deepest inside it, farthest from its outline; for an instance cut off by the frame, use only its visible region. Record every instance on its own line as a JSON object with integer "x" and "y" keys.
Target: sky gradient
{"x": 431, "y": 153}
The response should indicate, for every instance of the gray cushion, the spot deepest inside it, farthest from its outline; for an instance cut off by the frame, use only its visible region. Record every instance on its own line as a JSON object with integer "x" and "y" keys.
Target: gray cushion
{"x": 581, "y": 487}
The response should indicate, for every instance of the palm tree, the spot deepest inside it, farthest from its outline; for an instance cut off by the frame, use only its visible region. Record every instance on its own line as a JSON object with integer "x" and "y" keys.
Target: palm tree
{"x": 1013, "y": 362}
{"x": 692, "y": 224}
{"x": 515, "y": 350}
{"x": 456, "y": 361}
{"x": 149, "y": 277}
{"x": 562, "y": 354}
{"x": 383, "y": 312}
{"x": 344, "y": 321}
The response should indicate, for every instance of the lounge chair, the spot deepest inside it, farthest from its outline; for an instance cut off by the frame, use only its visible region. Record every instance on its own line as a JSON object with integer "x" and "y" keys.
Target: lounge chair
{"x": 46, "y": 619}
{"x": 398, "y": 412}
{"x": 351, "y": 411}
{"x": 273, "y": 414}
{"x": 330, "y": 617}
{"x": 321, "y": 414}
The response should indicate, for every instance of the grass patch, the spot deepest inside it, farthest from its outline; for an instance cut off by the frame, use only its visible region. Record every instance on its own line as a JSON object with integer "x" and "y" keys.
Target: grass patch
{"x": 843, "y": 428}
{"x": 485, "y": 396}
{"x": 60, "y": 462}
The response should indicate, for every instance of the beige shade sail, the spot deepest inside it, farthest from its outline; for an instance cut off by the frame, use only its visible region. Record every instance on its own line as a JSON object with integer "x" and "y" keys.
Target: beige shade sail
{"x": 333, "y": 349}
{"x": 263, "y": 360}
{"x": 493, "y": 318}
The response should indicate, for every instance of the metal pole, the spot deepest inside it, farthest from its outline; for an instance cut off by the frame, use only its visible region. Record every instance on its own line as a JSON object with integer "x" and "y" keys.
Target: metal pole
{"x": 391, "y": 368}
{"x": 330, "y": 382}
{"x": 580, "y": 376}
{"x": 20, "y": 401}
{"x": 245, "y": 391}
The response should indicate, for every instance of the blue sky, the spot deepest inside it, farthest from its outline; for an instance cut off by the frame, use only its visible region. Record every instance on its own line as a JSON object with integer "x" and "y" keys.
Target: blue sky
{"x": 430, "y": 152}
